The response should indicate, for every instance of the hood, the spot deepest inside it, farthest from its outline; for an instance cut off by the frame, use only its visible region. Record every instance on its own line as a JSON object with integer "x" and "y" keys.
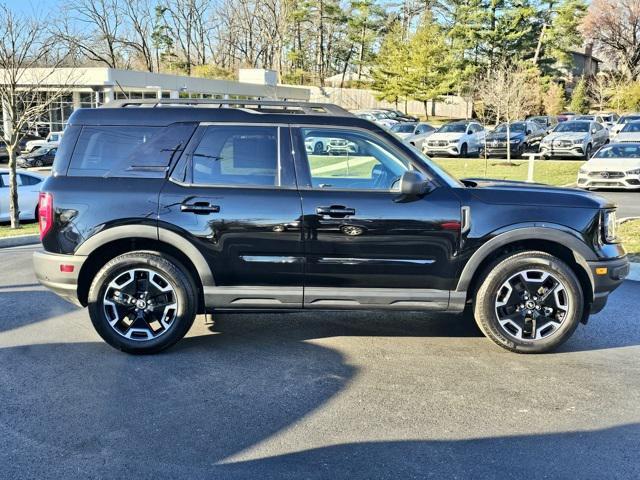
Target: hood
{"x": 628, "y": 137}
{"x": 450, "y": 136}
{"x": 612, "y": 164}
{"x": 566, "y": 136}
{"x": 510, "y": 192}
{"x": 502, "y": 136}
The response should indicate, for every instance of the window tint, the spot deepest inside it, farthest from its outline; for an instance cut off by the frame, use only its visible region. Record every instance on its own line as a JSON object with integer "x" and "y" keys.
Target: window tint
{"x": 351, "y": 160}
{"x": 29, "y": 180}
{"x": 237, "y": 155}
{"x": 125, "y": 151}
{"x": 4, "y": 179}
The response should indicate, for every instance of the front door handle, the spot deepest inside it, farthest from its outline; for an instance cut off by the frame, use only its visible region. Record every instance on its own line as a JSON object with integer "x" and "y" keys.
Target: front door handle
{"x": 336, "y": 211}
{"x": 199, "y": 208}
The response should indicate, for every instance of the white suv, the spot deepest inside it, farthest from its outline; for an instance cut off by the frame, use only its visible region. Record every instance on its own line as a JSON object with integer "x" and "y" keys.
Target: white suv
{"x": 456, "y": 138}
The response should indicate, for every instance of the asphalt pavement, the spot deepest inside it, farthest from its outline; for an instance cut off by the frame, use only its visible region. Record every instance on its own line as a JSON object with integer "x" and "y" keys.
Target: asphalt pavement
{"x": 312, "y": 395}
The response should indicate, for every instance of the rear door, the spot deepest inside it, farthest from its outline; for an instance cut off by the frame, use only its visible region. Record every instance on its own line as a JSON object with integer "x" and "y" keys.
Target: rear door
{"x": 233, "y": 194}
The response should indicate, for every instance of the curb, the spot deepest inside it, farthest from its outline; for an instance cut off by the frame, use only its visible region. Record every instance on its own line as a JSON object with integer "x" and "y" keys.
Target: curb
{"x": 19, "y": 241}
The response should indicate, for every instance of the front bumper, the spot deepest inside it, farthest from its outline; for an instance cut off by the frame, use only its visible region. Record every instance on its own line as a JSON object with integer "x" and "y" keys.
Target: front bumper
{"x": 606, "y": 275}
{"x": 434, "y": 151}
{"x": 625, "y": 182}
{"x": 49, "y": 272}
{"x": 576, "y": 151}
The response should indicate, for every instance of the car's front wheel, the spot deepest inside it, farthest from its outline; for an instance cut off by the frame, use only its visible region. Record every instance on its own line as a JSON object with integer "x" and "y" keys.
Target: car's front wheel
{"x": 529, "y": 302}
{"x": 142, "y": 302}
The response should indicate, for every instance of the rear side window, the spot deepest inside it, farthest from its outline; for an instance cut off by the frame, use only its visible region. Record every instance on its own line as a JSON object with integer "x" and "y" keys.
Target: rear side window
{"x": 128, "y": 151}
{"x": 236, "y": 155}
{"x": 29, "y": 180}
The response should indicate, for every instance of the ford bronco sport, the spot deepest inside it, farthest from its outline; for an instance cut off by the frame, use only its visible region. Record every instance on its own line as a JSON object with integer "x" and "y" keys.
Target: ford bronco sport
{"x": 159, "y": 210}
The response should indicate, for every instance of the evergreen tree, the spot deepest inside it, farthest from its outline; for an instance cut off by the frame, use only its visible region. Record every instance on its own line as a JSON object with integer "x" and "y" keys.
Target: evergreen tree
{"x": 390, "y": 72}
{"x": 580, "y": 98}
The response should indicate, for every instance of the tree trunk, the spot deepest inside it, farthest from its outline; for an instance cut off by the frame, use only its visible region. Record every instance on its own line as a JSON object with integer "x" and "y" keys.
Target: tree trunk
{"x": 508, "y": 142}
{"x": 426, "y": 109}
{"x": 14, "y": 211}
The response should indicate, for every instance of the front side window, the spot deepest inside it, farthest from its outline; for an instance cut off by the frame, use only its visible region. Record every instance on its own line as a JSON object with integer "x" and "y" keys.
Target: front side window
{"x": 352, "y": 160}
{"x": 237, "y": 155}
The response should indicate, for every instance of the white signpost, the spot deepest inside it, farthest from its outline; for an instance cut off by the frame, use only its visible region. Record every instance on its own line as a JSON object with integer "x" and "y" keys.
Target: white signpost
{"x": 532, "y": 159}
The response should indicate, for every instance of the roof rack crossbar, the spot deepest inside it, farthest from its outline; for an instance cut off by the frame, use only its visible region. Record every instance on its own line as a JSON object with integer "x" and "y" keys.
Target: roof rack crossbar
{"x": 309, "y": 108}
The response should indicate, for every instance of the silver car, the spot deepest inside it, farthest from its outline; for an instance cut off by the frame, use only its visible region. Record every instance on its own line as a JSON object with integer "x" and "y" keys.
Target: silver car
{"x": 577, "y": 139}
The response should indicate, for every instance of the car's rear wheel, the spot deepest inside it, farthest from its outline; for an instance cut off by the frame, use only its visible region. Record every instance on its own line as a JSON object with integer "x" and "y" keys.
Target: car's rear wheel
{"x": 142, "y": 302}
{"x": 529, "y": 302}
{"x": 463, "y": 151}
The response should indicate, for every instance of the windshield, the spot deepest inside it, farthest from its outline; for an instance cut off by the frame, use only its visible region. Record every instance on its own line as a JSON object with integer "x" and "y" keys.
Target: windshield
{"x": 453, "y": 128}
{"x": 586, "y": 118}
{"x": 631, "y": 127}
{"x": 541, "y": 120}
{"x": 379, "y": 115}
{"x": 403, "y": 128}
{"x": 515, "y": 127}
{"x": 572, "y": 127}
{"x": 630, "y": 150}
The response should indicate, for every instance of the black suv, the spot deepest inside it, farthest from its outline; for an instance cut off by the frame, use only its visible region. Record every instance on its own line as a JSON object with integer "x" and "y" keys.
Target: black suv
{"x": 167, "y": 209}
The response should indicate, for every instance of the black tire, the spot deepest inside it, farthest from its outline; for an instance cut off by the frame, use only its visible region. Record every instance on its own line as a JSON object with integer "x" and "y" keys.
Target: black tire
{"x": 38, "y": 163}
{"x": 179, "y": 279}
{"x": 464, "y": 151}
{"x": 318, "y": 149}
{"x": 499, "y": 272}
{"x": 587, "y": 152}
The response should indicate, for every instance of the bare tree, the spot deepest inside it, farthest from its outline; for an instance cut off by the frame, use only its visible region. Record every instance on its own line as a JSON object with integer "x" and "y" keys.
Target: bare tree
{"x": 614, "y": 26}
{"x": 507, "y": 94}
{"x": 29, "y": 84}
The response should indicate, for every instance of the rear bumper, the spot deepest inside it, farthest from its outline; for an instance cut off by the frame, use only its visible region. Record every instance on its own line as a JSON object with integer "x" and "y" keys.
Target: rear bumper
{"x": 605, "y": 282}
{"x": 47, "y": 267}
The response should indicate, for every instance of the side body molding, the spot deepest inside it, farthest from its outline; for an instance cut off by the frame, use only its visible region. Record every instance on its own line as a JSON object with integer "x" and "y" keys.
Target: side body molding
{"x": 580, "y": 250}
{"x": 152, "y": 233}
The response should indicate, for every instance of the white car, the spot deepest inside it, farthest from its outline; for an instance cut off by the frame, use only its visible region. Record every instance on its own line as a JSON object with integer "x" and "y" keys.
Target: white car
{"x": 328, "y": 145}
{"x": 574, "y": 139}
{"x": 616, "y": 165}
{"x": 420, "y": 135}
{"x": 629, "y": 133}
{"x": 376, "y": 116}
{"x": 52, "y": 140}
{"x": 622, "y": 121}
{"x": 457, "y": 139}
{"x": 29, "y": 184}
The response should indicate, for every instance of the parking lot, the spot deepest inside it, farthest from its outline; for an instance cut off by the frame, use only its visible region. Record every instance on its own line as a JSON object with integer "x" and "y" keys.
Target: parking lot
{"x": 342, "y": 395}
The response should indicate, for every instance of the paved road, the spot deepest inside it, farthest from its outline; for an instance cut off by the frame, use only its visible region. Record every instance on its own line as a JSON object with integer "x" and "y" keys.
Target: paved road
{"x": 311, "y": 395}
{"x": 628, "y": 202}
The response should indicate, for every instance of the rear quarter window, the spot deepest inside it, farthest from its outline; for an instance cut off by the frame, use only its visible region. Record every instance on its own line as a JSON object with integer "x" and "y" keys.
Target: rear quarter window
{"x": 128, "y": 151}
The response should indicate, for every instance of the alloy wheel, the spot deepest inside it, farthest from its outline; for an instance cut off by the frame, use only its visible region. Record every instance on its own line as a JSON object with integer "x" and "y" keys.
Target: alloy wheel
{"x": 140, "y": 304}
{"x": 532, "y": 305}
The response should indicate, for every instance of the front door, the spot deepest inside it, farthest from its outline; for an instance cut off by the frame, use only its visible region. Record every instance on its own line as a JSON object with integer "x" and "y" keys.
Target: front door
{"x": 364, "y": 245}
{"x": 233, "y": 194}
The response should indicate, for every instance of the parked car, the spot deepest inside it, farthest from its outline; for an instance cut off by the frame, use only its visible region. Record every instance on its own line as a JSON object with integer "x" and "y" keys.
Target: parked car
{"x": 457, "y": 139}
{"x": 547, "y": 122}
{"x": 52, "y": 140}
{"x": 398, "y": 115}
{"x": 4, "y": 154}
{"x": 29, "y": 184}
{"x": 622, "y": 121}
{"x": 574, "y": 139}
{"x": 407, "y": 129}
{"x": 153, "y": 215}
{"x": 629, "y": 133}
{"x": 41, "y": 157}
{"x": 378, "y": 117}
{"x": 609, "y": 118}
{"x": 420, "y": 135}
{"x": 615, "y": 166}
{"x": 591, "y": 118}
{"x": 522, "y": 136}
{"x": 565, "y": 116}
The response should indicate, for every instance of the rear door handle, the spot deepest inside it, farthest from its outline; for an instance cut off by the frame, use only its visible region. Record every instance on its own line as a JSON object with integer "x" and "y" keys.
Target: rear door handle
{"x": 337, "y": 211}
{"x": 199, "y": 208}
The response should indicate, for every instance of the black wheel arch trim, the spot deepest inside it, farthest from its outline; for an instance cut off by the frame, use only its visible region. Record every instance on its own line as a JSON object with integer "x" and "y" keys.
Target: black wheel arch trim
{"x": 556, "y": 234}
{"x": 154, "y": 233}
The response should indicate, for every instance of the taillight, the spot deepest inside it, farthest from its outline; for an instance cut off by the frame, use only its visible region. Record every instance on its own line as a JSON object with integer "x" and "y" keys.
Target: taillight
{"x": 45, "y": 213}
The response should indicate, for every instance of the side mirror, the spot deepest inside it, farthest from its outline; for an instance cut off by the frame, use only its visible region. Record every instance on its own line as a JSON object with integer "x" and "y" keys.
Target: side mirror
{"x": 593, "y": 131}
{"x": 529, "y": 132}
{"x": 413, "y": 184}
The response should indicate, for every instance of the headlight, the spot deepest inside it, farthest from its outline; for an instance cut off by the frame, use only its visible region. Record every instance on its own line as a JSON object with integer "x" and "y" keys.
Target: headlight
{"x": 515, "y": 140}
{"x": 453, "y": 142}
{"x": 609, "y": 226}
{"x": 634, "y": 172}
{"x": 578, "y": 141}
{"x": 583, "y": 171}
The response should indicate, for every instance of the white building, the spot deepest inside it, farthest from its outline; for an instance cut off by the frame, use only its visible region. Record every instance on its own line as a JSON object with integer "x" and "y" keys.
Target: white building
{"x": 95, "y": 86}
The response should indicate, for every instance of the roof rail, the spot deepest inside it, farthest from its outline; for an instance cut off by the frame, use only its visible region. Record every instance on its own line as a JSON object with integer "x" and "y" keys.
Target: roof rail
{"x": 259, "y": 106}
